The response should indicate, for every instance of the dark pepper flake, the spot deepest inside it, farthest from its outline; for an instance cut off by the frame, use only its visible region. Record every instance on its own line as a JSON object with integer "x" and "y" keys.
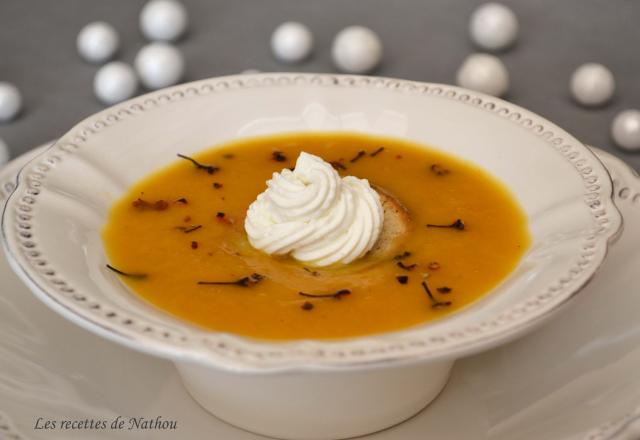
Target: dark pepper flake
{"x": 188, "y": 229}
{"x": 337, "y": 165}
{"x": 139, "y": 276}
{"x": 187, "y": 218}
{"x": 141, "y": 203}
{"x": 159, "y": 205}
{"x": 378, "y": 151}
{"x": 336, "y": 295}
{"x": 278, "y": 156}
{"x": 194, "y": 245}
{"x": 208, "y": 168}
{"x": 444, "y": 289}
{"x": 435, "y": 304}
{"x": 439, "y": 170}
{"x": 182, "y": 200}
{"x": 358, "y": 156}
{"x": 249, "y": 281}
{"x": 217, "y": 185}
{"x": 222, "y": 217}
{"x": 312, "y": 272}
{"x": 228, "y": 155}
{"x": 425, "y": 286}
{"x": 402, "y": 279}
{"x": 402, "y": 256}
{"x": 401, "y": 265}
{"x": 458, "y": 224}
{"x": 306, "y": 306}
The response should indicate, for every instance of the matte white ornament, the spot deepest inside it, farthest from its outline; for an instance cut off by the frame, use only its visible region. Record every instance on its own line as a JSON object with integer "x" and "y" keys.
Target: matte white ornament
{"x": 115, "y": 82}
{"x": 356, "y": 49}
{"x": 484, "y": 73}
{"x": 159, "y": 65}
{"x": 493, "y": 26}
{"x": 10, "y": 101}
{"x": 163, "y": 20}
{"x": 625, "y": 130}
{"x": 291, "y": 42}
{"x": 4, "y": 152}
{"x": 97, "y": 42}
{"x": 592, "y": 84}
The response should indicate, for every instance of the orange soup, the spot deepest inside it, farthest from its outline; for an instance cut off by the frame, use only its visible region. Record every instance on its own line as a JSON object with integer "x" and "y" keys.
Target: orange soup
{"x": 177, "y": 239}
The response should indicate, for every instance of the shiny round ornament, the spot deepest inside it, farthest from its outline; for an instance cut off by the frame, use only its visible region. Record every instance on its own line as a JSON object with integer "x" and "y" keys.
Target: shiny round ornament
{"x": 97, "y": 42}
{"x": 625, "y": 130}
{"x": 493, "y": 26}
{"x": 356, "y": 49}
{"x": 484, "y": 73}
{"x": 159, "y": 65}
{"x": 291, "y": 42}
{"x": 10, "y": 101}
{"x": 115, "y": 82}
{"x": 592, "y": 85}
{"x": 163, "y": 20}
{"x": 4, "y": 152}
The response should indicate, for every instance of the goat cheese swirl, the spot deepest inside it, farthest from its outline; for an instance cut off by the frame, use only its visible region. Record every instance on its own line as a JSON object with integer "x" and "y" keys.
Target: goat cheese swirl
{"x": 315, "y": 215}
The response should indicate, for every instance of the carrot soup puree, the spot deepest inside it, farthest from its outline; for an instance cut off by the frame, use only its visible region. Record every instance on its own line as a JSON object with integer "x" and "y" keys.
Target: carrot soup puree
{"x": 315, "y": 235}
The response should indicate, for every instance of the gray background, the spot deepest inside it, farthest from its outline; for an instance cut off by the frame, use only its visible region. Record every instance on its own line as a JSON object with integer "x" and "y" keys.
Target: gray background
{"x": 423, "y": 40}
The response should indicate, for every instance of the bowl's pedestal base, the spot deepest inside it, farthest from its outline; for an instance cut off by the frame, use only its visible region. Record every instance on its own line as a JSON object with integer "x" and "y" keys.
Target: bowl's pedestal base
{"x": 316, "y": 404}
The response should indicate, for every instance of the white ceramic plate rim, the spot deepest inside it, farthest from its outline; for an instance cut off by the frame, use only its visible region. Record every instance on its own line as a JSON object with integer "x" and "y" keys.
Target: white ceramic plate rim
{"x": 242, "y": 354}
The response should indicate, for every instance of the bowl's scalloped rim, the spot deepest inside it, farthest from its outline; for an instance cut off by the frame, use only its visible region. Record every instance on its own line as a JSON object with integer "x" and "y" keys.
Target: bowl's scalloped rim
{"x": 240, "y": 354}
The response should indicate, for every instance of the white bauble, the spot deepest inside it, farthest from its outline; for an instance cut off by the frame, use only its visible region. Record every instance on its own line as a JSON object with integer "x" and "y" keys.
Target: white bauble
{"x": 291, "y": 42}
{"x": 10, "y": 101}
{"x": 115, "y": 82}
{"x": 356, "y": 49}
{"x": 159, "y": 65}
{"x": 97, "y": 42}
{"x": 592, "y": 84}
{"x": 484, "y": 73}
{"x": 493, "y": 26}
{"x": 625, "y": 130}
{"x": 163, "y": 20}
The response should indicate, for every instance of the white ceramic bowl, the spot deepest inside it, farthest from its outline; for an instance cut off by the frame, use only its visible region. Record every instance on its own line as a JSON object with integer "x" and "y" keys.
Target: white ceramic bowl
{"x": 308, "y": 389}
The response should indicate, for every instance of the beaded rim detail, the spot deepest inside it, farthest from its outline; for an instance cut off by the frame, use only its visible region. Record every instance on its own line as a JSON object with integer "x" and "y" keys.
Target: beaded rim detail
{"x": 241, "y": 354}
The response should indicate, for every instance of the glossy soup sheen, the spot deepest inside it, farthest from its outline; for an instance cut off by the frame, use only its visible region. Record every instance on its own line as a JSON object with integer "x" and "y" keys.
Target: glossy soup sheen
{"x": 161, "y": 240}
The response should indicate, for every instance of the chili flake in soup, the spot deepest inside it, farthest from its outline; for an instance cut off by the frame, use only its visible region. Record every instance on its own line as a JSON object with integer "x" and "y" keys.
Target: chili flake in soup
{"x": 177, "y": 239}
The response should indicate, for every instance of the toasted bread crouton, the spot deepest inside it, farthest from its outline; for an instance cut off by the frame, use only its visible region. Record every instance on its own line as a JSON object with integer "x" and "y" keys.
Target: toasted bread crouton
{"x": 396, "y": 225}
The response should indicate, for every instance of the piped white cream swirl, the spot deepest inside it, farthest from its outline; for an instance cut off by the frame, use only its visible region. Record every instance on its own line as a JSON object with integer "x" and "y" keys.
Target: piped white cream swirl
{"x": 314, "y": 215}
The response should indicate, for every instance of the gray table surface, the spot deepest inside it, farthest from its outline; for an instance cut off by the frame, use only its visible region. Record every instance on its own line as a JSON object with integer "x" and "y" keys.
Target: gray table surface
{"x": 423, "y": 40}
